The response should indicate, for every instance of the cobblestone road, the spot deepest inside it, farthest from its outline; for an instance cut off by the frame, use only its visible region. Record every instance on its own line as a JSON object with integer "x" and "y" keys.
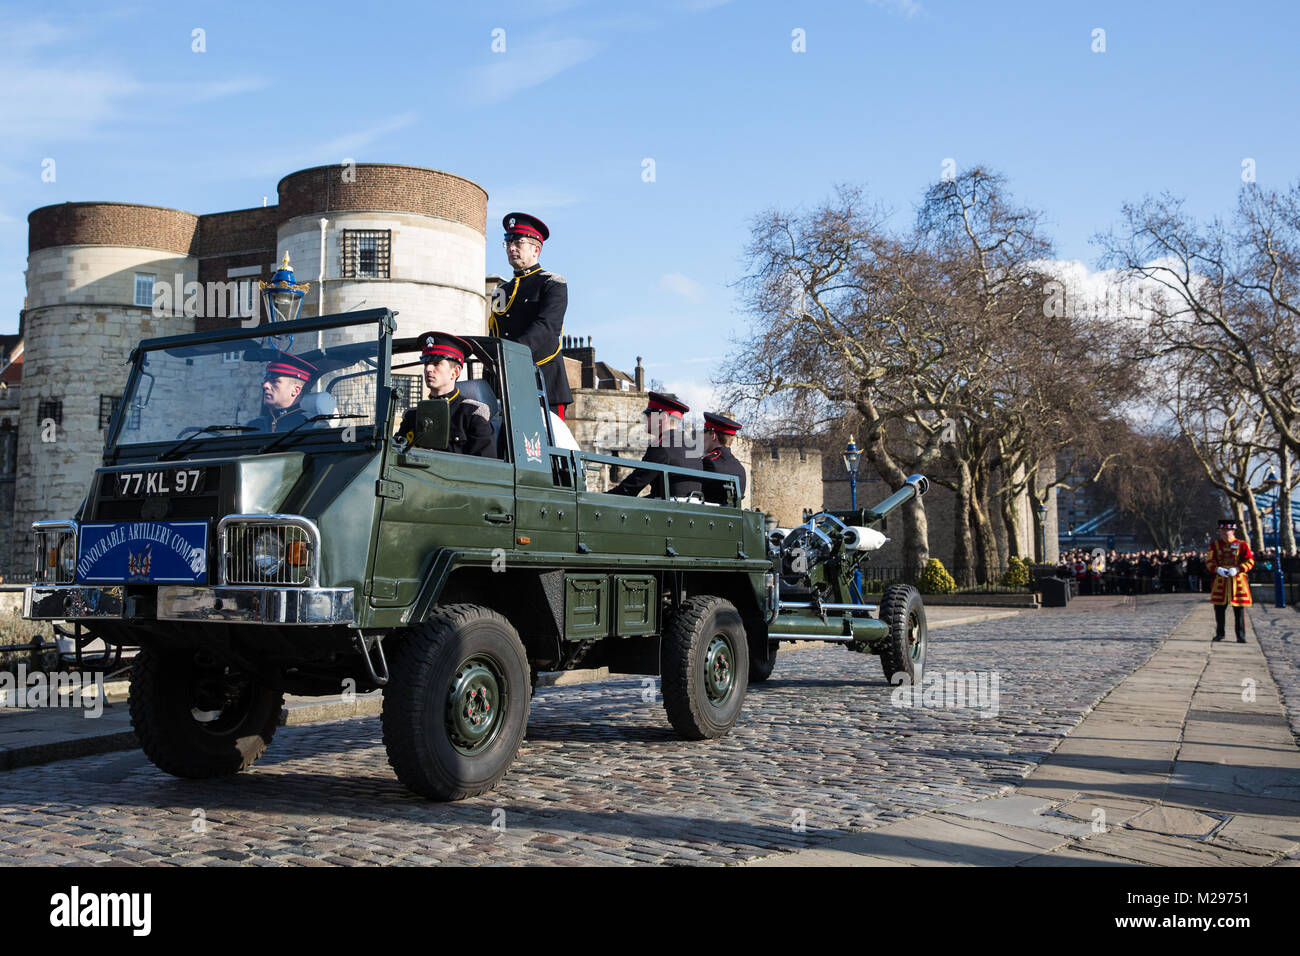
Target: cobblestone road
{"x": 820, "y": 751}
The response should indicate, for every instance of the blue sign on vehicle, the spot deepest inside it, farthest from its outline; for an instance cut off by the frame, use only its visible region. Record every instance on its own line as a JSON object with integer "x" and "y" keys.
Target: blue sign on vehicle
{"x": 145, "y": 551}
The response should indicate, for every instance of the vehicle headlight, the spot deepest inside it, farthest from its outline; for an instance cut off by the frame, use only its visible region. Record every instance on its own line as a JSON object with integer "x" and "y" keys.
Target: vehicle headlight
{"x": 268, "y": 554}
{"x": 67, "y": 557}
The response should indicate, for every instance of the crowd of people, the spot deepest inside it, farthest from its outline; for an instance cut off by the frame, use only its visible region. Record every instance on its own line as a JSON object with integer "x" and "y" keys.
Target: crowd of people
{"x": 1152, "y": 572}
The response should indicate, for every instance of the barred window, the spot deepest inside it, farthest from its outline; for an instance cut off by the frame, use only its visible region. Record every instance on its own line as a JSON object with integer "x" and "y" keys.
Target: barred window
{"x": 144, "y": 289}
{"x": 108, "y": 406}
{"x": 49, "y": 408}
{"x": 366, "y": 253}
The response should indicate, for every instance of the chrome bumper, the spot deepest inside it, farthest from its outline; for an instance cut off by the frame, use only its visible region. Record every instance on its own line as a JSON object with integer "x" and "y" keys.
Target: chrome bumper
{"x": 69, "y": 602}
{"x": 257, "y": 605}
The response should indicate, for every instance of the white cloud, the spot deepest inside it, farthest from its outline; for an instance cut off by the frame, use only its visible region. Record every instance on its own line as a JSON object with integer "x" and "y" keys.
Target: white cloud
{"x": 682, "y": 285}
{"x": 343, "y": 146}
{"x": 527, "y": 62}
{"x": 699, "y": 395}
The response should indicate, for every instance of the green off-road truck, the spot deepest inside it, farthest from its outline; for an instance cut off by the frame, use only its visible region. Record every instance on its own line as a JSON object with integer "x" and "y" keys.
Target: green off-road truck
{"x": 247, "y": 563}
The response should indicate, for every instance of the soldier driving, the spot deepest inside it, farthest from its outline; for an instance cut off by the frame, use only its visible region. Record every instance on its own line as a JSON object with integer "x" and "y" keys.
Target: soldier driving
{"x": 719, "y": 432}
{"x": 471, "y": 421}
{"x": 282, "y": 384}
{"x": 1228, "y": 560}
{"x": 529, "y": 308}
{"x": 663, "y": 420}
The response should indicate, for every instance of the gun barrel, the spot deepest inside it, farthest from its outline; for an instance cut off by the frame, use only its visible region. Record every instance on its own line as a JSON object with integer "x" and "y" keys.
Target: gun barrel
{"x": 913, "y": 487}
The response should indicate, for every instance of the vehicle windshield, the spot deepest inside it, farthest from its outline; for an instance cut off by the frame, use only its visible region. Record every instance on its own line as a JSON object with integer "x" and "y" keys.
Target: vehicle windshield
{"x": 257, "y": 387}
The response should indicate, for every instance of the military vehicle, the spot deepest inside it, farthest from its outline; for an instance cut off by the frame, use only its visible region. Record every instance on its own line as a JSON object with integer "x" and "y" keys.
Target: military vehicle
{"x": 334, "y": 556}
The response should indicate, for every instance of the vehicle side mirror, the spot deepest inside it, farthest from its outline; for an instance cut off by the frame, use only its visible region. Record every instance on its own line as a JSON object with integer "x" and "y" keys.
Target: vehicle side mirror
{"x": 433, "y": 424}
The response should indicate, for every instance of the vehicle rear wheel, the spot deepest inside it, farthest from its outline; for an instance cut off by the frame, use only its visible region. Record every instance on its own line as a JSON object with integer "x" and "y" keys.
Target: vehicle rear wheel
{"x": 904, "y": 650}
{"x": 456, "y": 705}
{"x": 705, "y": 667}
{"x": 760, "y": 670}
{"x": 199, "y": 721}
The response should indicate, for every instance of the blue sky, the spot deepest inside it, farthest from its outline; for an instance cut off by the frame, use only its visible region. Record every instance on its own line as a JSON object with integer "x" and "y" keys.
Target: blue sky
{"x": 734, "y": 119}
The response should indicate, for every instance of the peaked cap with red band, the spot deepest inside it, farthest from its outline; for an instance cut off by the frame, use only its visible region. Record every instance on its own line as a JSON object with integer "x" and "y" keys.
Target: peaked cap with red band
{"x": 291, "y": 366}
{"x": 522, "y": 224}
{"x": 443, "y": 345}
{"x": 662, "y": 403}
{"x": 713, "y": 422}
{"x": 1229, "y": 524}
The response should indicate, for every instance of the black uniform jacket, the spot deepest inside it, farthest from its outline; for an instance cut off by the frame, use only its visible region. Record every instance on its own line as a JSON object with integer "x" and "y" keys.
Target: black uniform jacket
{"x": 471, "y": 427}
{"x": 536, "y": 318}
{"x": 660, "y": 455}
{"x": 722, "y": 461}
{"x": 272, "y": 421}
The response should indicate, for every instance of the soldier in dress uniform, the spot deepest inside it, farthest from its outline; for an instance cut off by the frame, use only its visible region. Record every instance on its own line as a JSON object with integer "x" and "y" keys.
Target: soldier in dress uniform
{"x": 471, "y": 421}
{"x": 529, "y": 308}
{"x": 282, "y": 385}
{"x": 1227, "y": 562}
{"x": 663, "y": 420}
{"x": 719, "y": 432}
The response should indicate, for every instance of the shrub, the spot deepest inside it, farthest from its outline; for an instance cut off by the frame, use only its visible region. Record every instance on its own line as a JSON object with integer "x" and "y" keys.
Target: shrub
{"x": 1016, "y": 574}
{"x": 935, "y": 579}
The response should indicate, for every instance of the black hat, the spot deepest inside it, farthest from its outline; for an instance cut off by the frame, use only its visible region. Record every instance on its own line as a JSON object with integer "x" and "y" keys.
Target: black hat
{"x": 713, "y": 422}
{"x": 522, "y": 224}
{"x": 290, "y": 365}
{"x": 1229, "y": 523}
{"x": 662, "y": 403}
{"x": 436, "y": 346}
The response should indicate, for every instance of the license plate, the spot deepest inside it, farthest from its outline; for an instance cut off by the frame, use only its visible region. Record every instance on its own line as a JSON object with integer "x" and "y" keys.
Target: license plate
{"x": 151, "y": 484}
{"x": 146, "y": 551}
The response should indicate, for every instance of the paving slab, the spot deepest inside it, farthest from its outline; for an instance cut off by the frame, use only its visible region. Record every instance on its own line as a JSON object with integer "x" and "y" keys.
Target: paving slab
{"x": 1157, "y": 849}
{"x": 1175, "y": 821}
{"x": 1227, "y": 778}
{"x": 1027, "y": 812}
{"x": 1116, "y": 812}
{"x": 1270, "y": 834}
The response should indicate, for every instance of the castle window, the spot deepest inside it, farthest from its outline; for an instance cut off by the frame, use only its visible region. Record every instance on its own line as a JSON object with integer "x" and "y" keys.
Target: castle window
{"x": 776, "y": 453}
{"x": 803, "y": 455}
{"x": 366, "y": 253}
{"x": 144, "y": 289}
{"x": 51, "y": 408}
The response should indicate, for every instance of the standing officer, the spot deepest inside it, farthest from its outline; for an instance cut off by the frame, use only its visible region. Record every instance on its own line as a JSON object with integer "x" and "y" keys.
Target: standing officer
{"x": 719, "y": 433}
{"x": 663, "y": 421}
{"x": 471, "y": 421}
{"x": 529, "y": 309}
{"x": 1227, "y": 561}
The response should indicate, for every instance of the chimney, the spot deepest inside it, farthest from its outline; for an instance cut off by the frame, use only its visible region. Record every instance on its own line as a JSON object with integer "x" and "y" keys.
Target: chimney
{"x": 574, "y": 348}
{"x": 640, "y": 375}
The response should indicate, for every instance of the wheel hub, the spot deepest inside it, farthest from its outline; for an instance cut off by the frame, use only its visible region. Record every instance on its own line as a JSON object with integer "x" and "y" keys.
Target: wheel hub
{"x": 474, "y": 703}
{"x": 719, "y": 672}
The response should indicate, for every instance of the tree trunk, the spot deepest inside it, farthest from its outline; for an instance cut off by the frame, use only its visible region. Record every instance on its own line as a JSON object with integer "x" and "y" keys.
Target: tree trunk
{"x": 1287, "y": 542}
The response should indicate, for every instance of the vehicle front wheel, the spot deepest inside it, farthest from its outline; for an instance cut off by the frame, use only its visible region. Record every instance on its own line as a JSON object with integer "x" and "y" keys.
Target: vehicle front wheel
{"x": 456, "y": 705}
{"x": 705, "y": 667}
{"x": 905, "y": 648}
{"x": 198, "y": 721}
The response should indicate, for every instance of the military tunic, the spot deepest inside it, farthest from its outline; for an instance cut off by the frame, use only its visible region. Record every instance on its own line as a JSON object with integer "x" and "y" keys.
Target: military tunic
{"x": 722, "y": 461}
{"x": 529, "y": 309}
{"x": 641, "y": 477}
{"x": 1234, "y": 590}
{"x": 471, "y": 427}
{"x": 270, "y": 421}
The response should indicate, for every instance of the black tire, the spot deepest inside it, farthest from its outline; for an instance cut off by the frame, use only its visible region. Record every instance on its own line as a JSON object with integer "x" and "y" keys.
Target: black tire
{"x": 473, "y": 656}
{"x": 196, "y": 721}
{"x": 706, "y": 635}
{"x": 760, "y": 671}
{"x": 904, "y": 650}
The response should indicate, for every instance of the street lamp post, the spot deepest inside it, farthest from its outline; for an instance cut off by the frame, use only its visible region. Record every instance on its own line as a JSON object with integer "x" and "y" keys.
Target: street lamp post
{"x": 1279, "y": 587}
{"x": 852, "y": 457}
{"x": 1042, "y": 529}
{"x": 283, "y": 295}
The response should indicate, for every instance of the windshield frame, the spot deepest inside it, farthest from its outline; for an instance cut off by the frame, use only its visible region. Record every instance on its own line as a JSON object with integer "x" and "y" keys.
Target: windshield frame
{"x": 238, "y": 442}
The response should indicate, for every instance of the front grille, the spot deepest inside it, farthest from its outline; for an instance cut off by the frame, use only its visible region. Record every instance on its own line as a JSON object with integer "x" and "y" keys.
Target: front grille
{"x": 248, "y": 545}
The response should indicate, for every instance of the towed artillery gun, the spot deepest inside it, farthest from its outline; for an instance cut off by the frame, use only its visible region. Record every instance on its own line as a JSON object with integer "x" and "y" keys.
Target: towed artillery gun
{"x": 336, "y": 557}
{"x": 820, "y": 596}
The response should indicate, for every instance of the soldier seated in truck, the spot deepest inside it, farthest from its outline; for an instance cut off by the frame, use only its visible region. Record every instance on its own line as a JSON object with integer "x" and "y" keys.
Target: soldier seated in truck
{"x": 663, "y": 420}
{"x": 472, "y": 433}
{"x": 282, "y": 385}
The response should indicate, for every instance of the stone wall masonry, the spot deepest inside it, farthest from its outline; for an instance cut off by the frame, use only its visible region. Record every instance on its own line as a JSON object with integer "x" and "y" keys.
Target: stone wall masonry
{"x": 431, "y": 192}
{"x": 112, "y": 224}
{"x": 787, "y": 484}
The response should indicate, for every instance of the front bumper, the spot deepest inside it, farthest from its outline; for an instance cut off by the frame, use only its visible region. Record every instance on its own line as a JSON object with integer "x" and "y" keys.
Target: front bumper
{"x": 233, "y": 605}
{"x": 69, "y": 602}
{"x": 243, "y": 605}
